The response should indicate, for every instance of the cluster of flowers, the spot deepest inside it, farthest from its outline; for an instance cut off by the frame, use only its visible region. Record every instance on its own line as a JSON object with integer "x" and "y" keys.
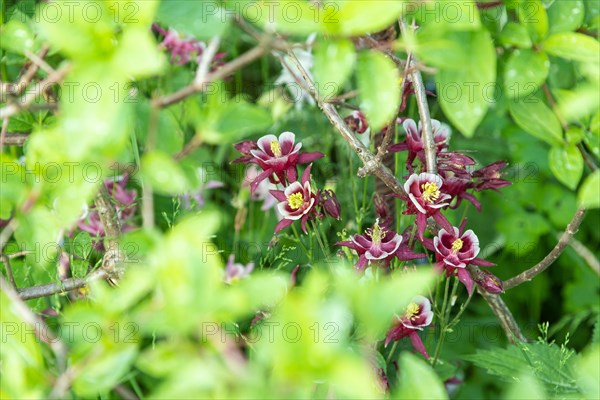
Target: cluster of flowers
{"x": 278, "y": 158}
{"x": 426, "y": 195}
{"x": 182, "y": 50}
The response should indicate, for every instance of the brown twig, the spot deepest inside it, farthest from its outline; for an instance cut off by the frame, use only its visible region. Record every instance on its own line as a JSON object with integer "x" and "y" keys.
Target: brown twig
{"x": 37, "y": 60}
{"x": 3, "y": 132}
{"x": 225, "y": 70}
{"x": 13, "y": 138}
{"x": 113, "y": 259}
{"x": 26, "y": 100}
{"x": 66, "y": 285}
{"x": 6, "y": 260}
{"x": 371, "y": 165}
{"x": 532, "y": 272}
{"x": 585, "y": 253}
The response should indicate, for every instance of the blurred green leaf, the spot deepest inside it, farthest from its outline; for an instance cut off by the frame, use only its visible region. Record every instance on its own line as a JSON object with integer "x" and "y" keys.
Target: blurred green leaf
{"x": 563, "y": 44}
{"x": 464, "y": 93}
{"x": 418, "y": 381}
{"x": 515, "y": 34}
{"x": 566, "y": 163}
{"x": 526, "y": 387}
{"x": 589, "y": 193}
{"x": 379, "y": 85}
{"x": 334, "y": 62}
{"x": 533, "y": 15}
{"x": 163, "y": 173}
{"x": 202, "y": 20}
{"x": 359, "y": 17}
{"x": 524, "y": 72}
{"x": 565, "y": 16}
{"x": 16, "y": 37}
{"x": 588, "y": 372}
{"x": 534, "y": 117}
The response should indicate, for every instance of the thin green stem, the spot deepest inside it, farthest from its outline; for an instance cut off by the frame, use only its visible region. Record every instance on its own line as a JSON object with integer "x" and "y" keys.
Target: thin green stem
{"x": 438, "y": 347}
{"x": 319, "y": 239}
{"x": 391, "y": 353}
{"x": 306, "y": 250}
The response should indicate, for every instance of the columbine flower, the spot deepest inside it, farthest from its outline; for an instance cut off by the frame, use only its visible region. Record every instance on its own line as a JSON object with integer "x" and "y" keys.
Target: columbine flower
{"x": 235, "y": 271}
{"x": 455, "y": 251}
{"x": 414, "y": 140}
{"x": 417, "y": 316}
{"x": 426, "y": 200}
{"x": 296, "y": 202}
{"x": 278, "y": 157}
{"x": 490, "y": 177}
{"x": 262, "y": 192}
{"x": 379, "y": 245}
{"x": 357, "y": 122}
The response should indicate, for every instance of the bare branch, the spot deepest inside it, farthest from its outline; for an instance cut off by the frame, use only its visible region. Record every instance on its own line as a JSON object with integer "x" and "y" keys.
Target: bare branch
{"x": 13, "y": 138}
{"x": 13, "y": 108}
{"x": 532, "y": 272}
{"x": 66, "y": 285}
{"x": 112, "y": 262}
{"x": 225, "y": 70}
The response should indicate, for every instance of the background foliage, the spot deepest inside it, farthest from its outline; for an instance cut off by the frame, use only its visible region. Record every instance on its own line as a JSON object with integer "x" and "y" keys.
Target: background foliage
{"x": 516, "y": 80}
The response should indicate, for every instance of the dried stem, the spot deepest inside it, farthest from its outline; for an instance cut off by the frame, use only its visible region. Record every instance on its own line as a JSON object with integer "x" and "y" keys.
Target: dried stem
{"x": 532, "y": 272}
{"x": 6, "y": 260}
{"x": 371, "y": 165}
{"x": 112, "y": 262}
{"x": 585, "y": 253}
{"x": 12, "y": 138}
{"x": 56, "y": 77}
{"x": 66, "y": 285}
{"x": 198, "y": 86}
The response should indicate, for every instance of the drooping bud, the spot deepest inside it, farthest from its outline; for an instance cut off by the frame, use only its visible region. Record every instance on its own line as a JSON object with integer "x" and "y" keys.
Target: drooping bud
{"x": 490, "y": 282}
{"x": 330, "y": 203}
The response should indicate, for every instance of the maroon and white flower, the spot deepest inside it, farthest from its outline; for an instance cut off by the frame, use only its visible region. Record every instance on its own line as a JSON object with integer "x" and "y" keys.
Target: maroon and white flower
{"x": 426, "y": 200}
{"x": 379, "y": 245}
{"x": 235, "y": 271}
{"x": 357, "y": 122}
{"x": 278, "y": 157}
{"x": 414, "y": 140}
{"x": 296, "y": 202}
{"x": 417, "y": 316}
{"x": 488, "y": 281}
{"x": 455, "y": 251}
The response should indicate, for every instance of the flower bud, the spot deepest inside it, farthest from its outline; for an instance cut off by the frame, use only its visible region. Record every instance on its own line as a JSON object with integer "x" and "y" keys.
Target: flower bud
{"x": 490, "y": 282}
{"x": 330, "y": 203}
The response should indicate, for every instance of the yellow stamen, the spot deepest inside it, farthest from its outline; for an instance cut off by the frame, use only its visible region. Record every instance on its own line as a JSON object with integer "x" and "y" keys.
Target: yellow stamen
{"x": 276, "y": 148}
{"x": 411, "y": 311}
{"x": 431, "y": 192}
{"x": 376, "y": 234}
{"x": 456, "y": 246}
{"x": 295, "y": 201}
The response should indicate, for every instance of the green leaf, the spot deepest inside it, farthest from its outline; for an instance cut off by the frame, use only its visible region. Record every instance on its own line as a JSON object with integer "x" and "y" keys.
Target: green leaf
{"x": 525, "y": 71}
{"x": 566, "y": 163}
{"x": 573, "y": 46}
{"x": 588, "y": 372}
{"x": 449, "y": 15}
{"x": 526, "y": 387}
{"x": 516, "y": 35}
{"x": 163, "y": 173}
{"x": 550, "y": 364}
{"x": 16, "y": 37}
{"x": 239, "y": 119}
{"x": 360, "y": 17}
{"x": 379, "y": 86}
{"x": 533, "y": 15}
{"x": 418, "y": 381}
{"x": 333, "y": 63}
{"x": 138, "y": 55}
{"x": 200, "y": 19}
{"x": 565, "y": 16}
{"x": 574, "y": 134}
{"x": 534, "y": 117}
{"x": 589, "y": 193}
{"x": 465, "y": 93}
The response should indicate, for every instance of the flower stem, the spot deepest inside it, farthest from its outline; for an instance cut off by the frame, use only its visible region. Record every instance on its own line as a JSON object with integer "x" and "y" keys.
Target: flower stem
{"x": 391, "y": 353}
{"x": 319, "y": 239}
{"x": 438, "y": 347}
{"x": 299, "y": 239}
